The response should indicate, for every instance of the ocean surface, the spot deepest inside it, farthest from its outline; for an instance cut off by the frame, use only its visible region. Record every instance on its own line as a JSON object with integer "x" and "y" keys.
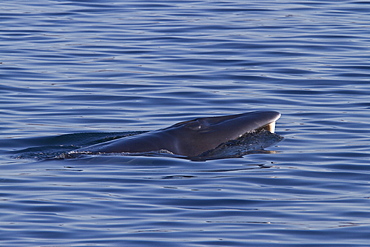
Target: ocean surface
{"x": 76, "y": 71}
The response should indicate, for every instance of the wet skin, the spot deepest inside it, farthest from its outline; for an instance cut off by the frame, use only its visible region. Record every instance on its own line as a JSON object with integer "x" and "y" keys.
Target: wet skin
{"x": 191, "y": 138}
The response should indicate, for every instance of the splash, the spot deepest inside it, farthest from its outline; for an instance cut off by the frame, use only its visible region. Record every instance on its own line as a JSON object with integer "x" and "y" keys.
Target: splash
{"x": 247, "y": 144}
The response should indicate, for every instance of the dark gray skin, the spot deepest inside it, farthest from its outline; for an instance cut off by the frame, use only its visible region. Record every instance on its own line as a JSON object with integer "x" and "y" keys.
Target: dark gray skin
{"x": 189, "y": 138}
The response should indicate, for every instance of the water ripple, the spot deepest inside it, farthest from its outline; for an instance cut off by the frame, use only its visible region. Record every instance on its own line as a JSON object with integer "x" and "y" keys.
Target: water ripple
{"x": 70, "y": 67}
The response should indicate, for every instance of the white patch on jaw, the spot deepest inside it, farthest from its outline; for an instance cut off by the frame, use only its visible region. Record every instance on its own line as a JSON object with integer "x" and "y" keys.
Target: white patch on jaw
{"x": 270, "y": 127}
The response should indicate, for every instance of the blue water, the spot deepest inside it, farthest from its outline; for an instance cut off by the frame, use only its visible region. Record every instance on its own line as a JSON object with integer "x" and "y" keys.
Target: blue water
{"x": 74, "y": 70}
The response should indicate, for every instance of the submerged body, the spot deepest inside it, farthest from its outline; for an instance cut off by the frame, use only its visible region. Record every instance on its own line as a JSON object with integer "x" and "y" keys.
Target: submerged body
{"x": 191, "y": 138}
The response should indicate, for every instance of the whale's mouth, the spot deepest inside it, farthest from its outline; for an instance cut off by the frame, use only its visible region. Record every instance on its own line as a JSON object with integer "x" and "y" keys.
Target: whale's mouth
{"x": 268, "y": 127}
{"x": 251, "y": 142}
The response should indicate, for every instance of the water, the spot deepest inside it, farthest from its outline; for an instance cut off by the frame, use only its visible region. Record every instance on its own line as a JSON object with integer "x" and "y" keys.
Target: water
{"x": 72, "y": 69}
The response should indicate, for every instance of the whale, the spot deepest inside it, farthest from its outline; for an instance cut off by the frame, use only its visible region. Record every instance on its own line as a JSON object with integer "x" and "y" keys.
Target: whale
{"x": 193, "y": 137}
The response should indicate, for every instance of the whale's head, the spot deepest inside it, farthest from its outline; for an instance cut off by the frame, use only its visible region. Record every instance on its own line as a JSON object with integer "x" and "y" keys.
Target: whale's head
{"x": 202, "y": 134}
{"x": 191, "y": 138}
